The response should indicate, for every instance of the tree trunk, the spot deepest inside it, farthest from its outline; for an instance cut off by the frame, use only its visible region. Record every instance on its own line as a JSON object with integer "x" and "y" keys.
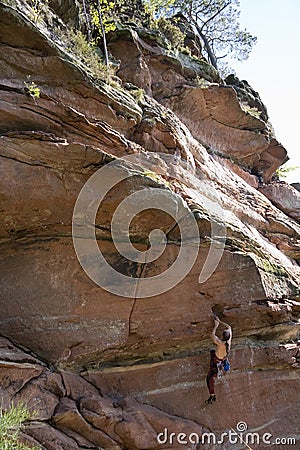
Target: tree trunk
{"x": 103, "y": 33}
{"x": 211, "y": 56}
{"x": 87, "y": 19}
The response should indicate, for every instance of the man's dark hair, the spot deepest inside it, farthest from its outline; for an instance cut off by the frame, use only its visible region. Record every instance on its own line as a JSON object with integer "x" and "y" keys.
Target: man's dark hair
{"x": 226, "y": 335}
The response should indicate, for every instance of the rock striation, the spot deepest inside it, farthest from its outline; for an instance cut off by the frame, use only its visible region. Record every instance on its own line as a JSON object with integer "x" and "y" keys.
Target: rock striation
{"x": 108, "y": 371}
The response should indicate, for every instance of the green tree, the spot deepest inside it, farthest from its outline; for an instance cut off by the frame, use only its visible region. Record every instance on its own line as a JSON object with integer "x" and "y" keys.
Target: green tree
{"x": 101, "y": 15}
{"x": 11, "y": 423}
{"x": 158, "y": 8}
{"x": 103, "y": 5}
{"x": 216, "y": 22}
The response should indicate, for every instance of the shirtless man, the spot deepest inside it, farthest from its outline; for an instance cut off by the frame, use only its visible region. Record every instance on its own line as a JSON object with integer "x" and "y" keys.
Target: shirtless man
{"x": 217, "y": 356}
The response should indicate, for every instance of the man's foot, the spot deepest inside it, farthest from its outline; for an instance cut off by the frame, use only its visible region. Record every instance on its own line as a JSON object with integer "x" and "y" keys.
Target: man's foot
{"x": 211, "y": 399}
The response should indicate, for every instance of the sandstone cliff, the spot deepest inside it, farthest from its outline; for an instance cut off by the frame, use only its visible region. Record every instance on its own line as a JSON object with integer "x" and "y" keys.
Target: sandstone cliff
{"x": 106, "y": 370}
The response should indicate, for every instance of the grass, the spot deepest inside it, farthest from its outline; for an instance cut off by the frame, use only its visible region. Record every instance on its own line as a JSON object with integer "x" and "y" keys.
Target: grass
{"x": 138, "y": 94}
{"x": 12, "y": 422}
{"x": 77, "y": 45}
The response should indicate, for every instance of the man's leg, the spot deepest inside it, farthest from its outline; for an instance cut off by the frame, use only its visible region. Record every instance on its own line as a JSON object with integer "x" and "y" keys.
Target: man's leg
{"x": 210, "y": 380}
{"x": 211, "y": 377}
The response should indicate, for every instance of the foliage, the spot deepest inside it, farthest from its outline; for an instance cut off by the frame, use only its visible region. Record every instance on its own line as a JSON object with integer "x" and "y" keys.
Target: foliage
{"x": 11, "y": 423}
{"x": 86, "y": 53}
{"x": 252, "y": 111}
{"x": 138, "y": 94}
{"x": 39, "y": 9}
{"x": 157, "y": 8}
{"x": 157, "y": 178}
{"x": 32, "y": 89}
{"x": 284, "y": 170}
{"x": 108, "y": 19}
{"x": 103, "y": 16}
{"x": 170, "y": 31}
{"x": 215, "y": 21}
{"x": 202, "y": 83}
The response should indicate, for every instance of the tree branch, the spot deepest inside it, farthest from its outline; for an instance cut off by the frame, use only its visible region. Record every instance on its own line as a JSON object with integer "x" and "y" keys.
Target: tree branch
{"x": 215, "y": 15}
{"x": 211, "y": 55}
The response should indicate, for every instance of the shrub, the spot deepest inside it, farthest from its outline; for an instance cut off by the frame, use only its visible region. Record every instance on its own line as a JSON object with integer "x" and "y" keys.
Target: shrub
{"x": 173, "y": 34}
{"x": 86, "y": 52}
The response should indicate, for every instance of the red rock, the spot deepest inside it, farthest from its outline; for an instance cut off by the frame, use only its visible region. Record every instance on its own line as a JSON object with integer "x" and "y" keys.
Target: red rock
{"x": 13, "y": 377}
{"x": 284, "y": 196}
{"x": 246, "y": 176}
{"x": 205, "y": 112}
{"x": 67, "y": 417}
{"x": 51, "y": 438}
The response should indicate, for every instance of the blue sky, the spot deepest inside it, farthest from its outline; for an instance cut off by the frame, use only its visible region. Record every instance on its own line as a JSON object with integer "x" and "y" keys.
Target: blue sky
{"x": 273, "y": 68}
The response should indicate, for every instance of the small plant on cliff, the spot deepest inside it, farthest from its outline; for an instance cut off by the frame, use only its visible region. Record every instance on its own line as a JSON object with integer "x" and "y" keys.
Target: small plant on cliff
{"x": 157, "y": 178}
{"x": 252, "y": 111}
{"x": 284, "y": 170}
{"x": 138, "y": 94}
{"x": 201, "y": 82}
{"x": 32, "y": 89}
{"x": 12, "y": 422}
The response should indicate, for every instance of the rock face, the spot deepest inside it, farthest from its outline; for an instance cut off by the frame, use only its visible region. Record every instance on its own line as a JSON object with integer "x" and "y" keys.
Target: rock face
{"x": 216, "y": 113}
{"x": 285, "y": 196}
{"x": 113, "y": 365}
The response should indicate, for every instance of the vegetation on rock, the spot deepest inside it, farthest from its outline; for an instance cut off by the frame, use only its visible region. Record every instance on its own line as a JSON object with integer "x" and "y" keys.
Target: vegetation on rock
{"x": 11, "y": 424}
{"x": 216, "y": 23}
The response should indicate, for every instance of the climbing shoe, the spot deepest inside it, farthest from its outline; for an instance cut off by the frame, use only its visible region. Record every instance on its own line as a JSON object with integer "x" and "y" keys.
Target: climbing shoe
{"x": 211, "y": 399}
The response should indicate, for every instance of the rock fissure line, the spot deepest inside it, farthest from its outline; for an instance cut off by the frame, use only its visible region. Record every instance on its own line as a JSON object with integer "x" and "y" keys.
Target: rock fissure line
{"x": 37, "y": 164}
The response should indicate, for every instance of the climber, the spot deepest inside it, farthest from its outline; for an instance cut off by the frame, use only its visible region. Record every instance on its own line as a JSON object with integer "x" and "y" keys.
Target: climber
{"x": 218, "y": 357}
